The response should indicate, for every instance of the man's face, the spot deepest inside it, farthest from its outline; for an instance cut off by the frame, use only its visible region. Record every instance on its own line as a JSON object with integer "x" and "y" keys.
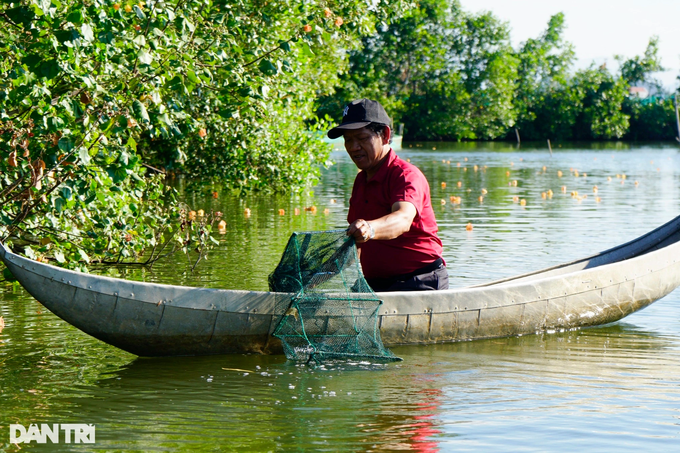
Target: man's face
{"x": 365, "y": 147}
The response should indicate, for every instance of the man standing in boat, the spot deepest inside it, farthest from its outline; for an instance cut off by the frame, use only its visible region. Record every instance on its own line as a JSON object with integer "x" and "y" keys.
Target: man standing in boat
{"x": 390, "y": 213}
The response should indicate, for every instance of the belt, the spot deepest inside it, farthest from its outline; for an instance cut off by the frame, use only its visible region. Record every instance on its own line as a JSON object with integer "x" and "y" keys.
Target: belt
{"x": 385, "y": 282}
{"x": 433, "y": 266}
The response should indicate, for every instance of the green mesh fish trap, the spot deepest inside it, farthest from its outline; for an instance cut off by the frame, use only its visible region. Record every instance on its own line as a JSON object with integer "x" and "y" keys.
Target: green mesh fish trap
{"x": 325, "y": 308}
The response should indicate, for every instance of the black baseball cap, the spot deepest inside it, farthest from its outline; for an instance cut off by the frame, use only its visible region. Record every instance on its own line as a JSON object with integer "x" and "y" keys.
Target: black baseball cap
{"x": 358, "y": 114}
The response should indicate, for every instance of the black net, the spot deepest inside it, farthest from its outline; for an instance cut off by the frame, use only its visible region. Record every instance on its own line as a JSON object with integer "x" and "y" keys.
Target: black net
{"x": 325, "y": 308}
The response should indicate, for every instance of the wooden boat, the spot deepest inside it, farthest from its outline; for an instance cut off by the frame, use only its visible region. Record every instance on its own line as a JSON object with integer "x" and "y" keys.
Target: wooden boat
{"x": 162, "y": 320}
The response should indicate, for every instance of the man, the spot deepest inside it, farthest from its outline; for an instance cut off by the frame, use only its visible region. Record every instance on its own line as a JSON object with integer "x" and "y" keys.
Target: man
{"x": 390, "y": 213}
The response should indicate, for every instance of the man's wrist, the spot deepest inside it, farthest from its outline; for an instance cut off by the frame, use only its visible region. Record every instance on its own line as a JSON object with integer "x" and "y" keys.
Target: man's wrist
{"x": 371, "y": 231}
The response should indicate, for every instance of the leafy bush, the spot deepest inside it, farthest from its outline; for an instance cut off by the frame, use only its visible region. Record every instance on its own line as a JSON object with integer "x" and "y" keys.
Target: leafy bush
{"x": 99, "y": 98}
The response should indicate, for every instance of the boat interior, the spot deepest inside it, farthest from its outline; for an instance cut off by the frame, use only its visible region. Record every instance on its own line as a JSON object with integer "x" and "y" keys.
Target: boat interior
{"x": 657, "y": 239}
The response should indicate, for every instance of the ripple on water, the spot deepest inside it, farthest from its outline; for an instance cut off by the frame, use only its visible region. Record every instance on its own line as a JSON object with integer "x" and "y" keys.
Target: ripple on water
{"x": 611, "y": 388}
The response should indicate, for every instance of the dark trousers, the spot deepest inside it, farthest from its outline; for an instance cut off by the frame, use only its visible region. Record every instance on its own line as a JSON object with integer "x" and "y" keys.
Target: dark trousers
{"x": 431, "y": 277}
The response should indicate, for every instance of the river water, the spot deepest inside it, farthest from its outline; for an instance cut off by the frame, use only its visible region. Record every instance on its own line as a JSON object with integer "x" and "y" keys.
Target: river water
{"x": 611, "y": 388}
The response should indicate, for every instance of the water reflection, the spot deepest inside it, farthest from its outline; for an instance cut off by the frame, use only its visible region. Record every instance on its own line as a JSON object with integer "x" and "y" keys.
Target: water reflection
{"x": 507, "y": 238}
{"x": 610, "y": 388}
{"x": 441, "y": 393}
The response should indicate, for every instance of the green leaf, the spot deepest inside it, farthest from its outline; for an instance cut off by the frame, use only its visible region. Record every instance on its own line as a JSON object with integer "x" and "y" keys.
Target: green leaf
{"x": 140, "y": 111}
{"x": 84, "y": 255}
{"x": 65, "y": 144}
{"x": 55, "y": 124}
{"x": 59, "y": 256}
{"x": 117, "y": 174}
{"x": 227, "y": 113}
{"x": 140, "y": 40}
{"x": 145, "y": 57}
{"x": 50, "y": 69}
{"x": 44, "y": 5}
{"x": 84, "y": 155}
{"x": 87, "y": 33}
{"x": 66, "y": 192}
{"x": 105, "y": 37}
{"x": 30, "y": 253}
{"x": 75, "y": 17}
{"x": 59, "y": 204}
{"x": 139, "y": 12}
{"x": 192, "y": 76}
{"x": 307, "y": 50}
{"x": 177, "y": 84}
{"x": 164, "y": 118}
{"x": 32, "y": 61}
{"x": 20, "y": 15}
{"x": 267, "y": 67}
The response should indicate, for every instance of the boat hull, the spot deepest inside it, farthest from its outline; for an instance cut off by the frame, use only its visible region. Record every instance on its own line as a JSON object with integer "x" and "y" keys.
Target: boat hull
{"x": 150, "y": 319}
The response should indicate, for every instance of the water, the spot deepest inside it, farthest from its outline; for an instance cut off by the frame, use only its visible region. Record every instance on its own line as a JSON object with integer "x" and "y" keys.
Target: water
{"x": 612, "y": 388}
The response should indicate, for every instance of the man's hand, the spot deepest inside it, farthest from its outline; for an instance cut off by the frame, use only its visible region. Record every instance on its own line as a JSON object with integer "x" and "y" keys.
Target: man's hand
{"x": 361, "y": 230}
{"x": 390, "y": 226}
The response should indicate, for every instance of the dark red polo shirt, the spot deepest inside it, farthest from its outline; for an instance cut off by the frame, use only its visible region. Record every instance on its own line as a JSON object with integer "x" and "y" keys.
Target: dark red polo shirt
{"x": 396, "y": 180}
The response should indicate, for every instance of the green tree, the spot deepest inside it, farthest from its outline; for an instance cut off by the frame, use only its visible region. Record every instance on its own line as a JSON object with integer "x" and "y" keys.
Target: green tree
{"x": 394, "y": 62}
{"x": 651, "y": 119}
{"x": 96, "y": 95}
{"x": 639, "y": 69}
{"x": 445, "y": 74}
{"x": 601, "y": 115}
{"x": 483, "y": 56}
{"x": 542, "y": 78}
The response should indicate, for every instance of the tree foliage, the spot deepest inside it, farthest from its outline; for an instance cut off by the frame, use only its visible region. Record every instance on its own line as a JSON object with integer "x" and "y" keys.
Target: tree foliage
{"x": 96, "y": 96}
{"x": 601, "y": 97}
{"x": 542, "y": 77}
{"x": 639, "y": 69}
{"x": 450, "y": 75}
{"x": 444, "y": 73}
